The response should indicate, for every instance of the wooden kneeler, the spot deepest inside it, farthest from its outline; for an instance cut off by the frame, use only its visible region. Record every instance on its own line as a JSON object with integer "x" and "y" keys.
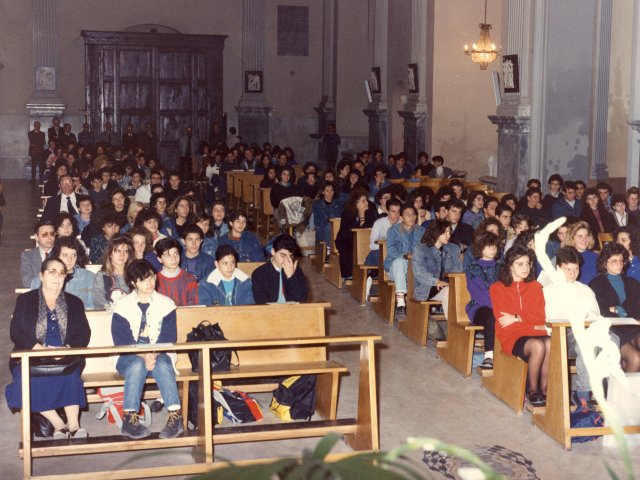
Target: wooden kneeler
{"x": 416, "y": 325}
{"x": 509, "y": 379}
{"x": 386, "y": 304}
{"x": 458, "y": 351}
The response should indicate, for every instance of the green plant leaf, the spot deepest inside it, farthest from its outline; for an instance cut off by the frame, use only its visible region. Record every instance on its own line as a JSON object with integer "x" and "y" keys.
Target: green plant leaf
{"x": 357, "y": 468}
{"x": 325, "y": 445}
{"x": 264, "y": 471}
{"x": 612, "y": 474}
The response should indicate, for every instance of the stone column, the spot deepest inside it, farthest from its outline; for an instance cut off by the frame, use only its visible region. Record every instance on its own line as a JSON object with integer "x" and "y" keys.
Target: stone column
{"x": 514, "y": 113}
{"x": 253, "y": 108}
{"x": 377, "y": 110}
{"x": 45, "y": 102}
{"x": 513, "y": 152}
{"x": 633, "y": 145}
{"x": 416, "y": 113}
{"x": 601, "y": 90}
{"x": 326, "y": 109}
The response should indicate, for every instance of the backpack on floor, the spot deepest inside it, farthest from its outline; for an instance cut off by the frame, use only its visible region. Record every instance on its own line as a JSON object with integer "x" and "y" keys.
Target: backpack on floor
{"x": 238, "y": 407}
{"x": 113, "y": 407}
{"x": 295, "y": 398}
{"x": 192, "y": 407}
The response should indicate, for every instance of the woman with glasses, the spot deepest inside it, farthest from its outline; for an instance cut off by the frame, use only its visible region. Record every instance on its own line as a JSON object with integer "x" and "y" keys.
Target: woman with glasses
{"x": 50, "y": 318}
{"x": 518, "y": 307}
{"x": 619, "y": 296}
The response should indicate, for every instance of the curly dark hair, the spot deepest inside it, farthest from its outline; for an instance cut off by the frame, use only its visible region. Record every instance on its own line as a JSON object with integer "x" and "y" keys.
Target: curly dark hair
{"x": 73, "y": 244}
{"x": 634, "y": 236}
{"x": 485, "y": 239}
{"x": 434, "y": 230}
{"x": 608, "y": 251}
{"x": 515, "y": 252}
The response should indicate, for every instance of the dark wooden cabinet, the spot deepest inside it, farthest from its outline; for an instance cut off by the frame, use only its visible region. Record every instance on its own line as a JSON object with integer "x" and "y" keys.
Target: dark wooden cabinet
{"x": 169, "y": 80}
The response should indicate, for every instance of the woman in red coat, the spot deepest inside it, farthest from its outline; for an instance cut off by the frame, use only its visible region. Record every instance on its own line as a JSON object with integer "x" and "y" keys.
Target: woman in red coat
{"x": 518, "y": 305}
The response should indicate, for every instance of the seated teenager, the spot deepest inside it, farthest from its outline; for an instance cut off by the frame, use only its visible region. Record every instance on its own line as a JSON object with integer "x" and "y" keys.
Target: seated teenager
{"x": 324, "y": 209}
{"x": 481, "y": 273}
{"x": 99, "y": 244}
{"x": 285, "y": 187}
{"x": 65, "y": 225}
{"x": 475, "y": 213}
{"x": 557, "y": 307}
{"x": 194, "y": 260}
{"x": 579, "y": 236}
{"x": 380, "y": 230}
{"x": 227, "y": 284}
{"x": 219, "y": 226}
{"x": 595, "y": 213}
{"x": 179, "y": 216}
{"x": 173, "y": 282}
{"x": 109, "y": 284}
{"x": 519, "y": 224}
{"x": 84, "y": 206}
{"x": 142, "y": 243}
{"x": 439, "y": 170}
{"x": 461, "y": 233}
{"x": 401, "y": 239}
{"x": 280, "y": 280}
{"x": 146, "y": 317}
{"x": 518, "y": 307}
{"x": 79, "y": 281}
{"x": 150, "y": 220}
{"x": 357, "y": 213}
{"x": 492, "y": 225}
{"x": 629, "y": 239}
{"x": 619, "y": 296}
{"x": 245, "y": 243}
{"x": 269, "y": 179}
{"x": 433, "y": 257}
{"x": 379, "y": 181}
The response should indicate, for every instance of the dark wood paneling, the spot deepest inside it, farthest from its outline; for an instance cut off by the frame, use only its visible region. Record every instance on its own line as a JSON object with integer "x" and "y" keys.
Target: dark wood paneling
{"x": 170, "y": 80}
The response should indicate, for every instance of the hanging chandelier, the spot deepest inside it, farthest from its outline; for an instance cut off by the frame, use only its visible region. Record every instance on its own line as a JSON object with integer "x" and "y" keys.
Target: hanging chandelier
{"x": 484, "y": 52}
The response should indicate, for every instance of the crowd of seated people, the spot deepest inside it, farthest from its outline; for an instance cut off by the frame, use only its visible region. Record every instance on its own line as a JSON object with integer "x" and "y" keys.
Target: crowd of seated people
{"x": 165, "y": 239}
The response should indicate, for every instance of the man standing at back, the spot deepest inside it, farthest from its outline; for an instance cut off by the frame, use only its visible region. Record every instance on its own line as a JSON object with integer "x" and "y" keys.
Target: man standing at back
{"x": 188, "y": 150}
{"x": 37, "y": 142}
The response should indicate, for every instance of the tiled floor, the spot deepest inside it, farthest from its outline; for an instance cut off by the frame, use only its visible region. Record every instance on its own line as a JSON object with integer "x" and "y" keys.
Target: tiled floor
{"x": 418, "y": 394}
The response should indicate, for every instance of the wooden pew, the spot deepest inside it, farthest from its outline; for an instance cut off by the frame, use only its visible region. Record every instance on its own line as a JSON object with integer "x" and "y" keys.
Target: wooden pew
{"x": 332, "y": 271}
{"x": 237, "y": 189}
{"x": 361, "y": 432}
{"x": 554, "y": 418}
{"x": 458, "y": 350}
{"x": 386, "y": 304}
{"x": 267, "y": 211}
{"x": 249, "y": 267}
{"x": 230, "y": 185}
{"x": 433, "y": 183}
{"x": 509, "y": 379}
{"x": 416, "y": 325}
{"x": 358, "y": 286}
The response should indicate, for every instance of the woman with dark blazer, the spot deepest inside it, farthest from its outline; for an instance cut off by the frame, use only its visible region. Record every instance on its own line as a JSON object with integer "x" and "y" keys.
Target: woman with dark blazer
{"x": 594, "y": 213}
{"x": 358, "y": 213}
{"x": 50, "y": 318}
{"x": 619, "y": 296}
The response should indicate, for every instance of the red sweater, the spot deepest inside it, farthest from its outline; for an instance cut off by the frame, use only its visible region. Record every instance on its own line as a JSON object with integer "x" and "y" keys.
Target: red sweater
{"x": 524, "y": 299}
{"x": 183, "y": 289}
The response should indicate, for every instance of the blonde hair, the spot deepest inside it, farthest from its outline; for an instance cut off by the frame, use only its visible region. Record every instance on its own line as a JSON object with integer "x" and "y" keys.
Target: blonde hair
{"x": 132, "y": 213}
{"x": 571, "y": 232}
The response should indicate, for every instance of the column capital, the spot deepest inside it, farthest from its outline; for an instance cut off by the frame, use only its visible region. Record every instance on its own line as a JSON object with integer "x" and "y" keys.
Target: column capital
{"x": 511, "y": 124}
{"x": 635, "y": 125}
{"x": 254, "y": 111}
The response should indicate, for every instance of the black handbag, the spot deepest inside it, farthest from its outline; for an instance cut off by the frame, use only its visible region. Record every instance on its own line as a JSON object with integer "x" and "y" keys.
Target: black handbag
{"x": 51, "y": 367}
{"x": 206, "y": 332}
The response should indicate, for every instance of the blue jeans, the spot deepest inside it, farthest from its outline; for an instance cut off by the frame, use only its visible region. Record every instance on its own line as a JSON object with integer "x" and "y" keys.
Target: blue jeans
{"x": 398, "y": 273}
{"x": 134, "y": 371}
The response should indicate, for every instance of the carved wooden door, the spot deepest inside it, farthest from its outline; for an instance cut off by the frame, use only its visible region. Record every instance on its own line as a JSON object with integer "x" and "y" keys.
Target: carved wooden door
{"x": 171, "y": 81}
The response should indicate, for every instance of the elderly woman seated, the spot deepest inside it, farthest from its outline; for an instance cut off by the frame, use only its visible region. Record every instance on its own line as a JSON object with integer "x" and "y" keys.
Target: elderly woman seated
{"x": 50, "y": 318}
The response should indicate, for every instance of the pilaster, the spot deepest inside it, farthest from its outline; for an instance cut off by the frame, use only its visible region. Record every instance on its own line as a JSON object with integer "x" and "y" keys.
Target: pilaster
{"x": 513, "y": 152}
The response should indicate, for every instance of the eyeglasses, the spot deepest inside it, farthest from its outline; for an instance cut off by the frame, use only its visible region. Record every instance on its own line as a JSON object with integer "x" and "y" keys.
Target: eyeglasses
{"x": 615, "y": 261}
{"x": 47, "y": 234}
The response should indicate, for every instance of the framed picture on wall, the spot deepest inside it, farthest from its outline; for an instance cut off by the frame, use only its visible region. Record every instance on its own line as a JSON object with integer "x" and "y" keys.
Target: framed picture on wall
{"x": 253, "y": 81}
{"x": 374, "y": 80}
{"x": 412, "y": 78}
{"x": 510, "y": 74}
{"x": 46, "y": 78}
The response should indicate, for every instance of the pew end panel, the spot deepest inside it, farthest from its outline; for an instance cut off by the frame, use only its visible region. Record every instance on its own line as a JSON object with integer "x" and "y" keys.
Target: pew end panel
{"x": 358, "y": 286}
{"x": 386, "y": 305}
{"x": 509, "y": 379}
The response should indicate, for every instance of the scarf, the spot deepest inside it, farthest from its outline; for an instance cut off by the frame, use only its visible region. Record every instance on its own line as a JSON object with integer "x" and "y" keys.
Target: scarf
{"x": 41, "y": 323}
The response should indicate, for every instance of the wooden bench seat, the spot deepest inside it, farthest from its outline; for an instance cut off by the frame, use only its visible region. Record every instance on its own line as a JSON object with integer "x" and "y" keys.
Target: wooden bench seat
{"x": 458, "y": 350}
{"x": 509, "y": 378}
{"x": 332, "y": 271}
{"x": 272, "y": 341}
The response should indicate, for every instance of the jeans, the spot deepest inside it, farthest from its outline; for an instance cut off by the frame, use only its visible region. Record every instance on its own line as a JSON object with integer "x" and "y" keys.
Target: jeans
{"x": 398, "y": 273}
{"x": 134, "y": 371}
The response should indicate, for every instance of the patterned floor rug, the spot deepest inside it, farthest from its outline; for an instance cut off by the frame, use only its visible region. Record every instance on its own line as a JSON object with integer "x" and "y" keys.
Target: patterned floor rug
{"x": 510, "y": 464}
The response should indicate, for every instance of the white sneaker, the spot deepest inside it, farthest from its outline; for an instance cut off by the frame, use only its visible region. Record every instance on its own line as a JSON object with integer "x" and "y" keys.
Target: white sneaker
{"x": 369, "y": 285}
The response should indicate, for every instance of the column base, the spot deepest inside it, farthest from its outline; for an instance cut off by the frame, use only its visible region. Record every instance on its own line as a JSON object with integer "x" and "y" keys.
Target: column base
{"x": 414, "y": 133}
{"x": 253, "y": 123}
{"x": 513, "y": 152}
{"x": 378, "y": 116}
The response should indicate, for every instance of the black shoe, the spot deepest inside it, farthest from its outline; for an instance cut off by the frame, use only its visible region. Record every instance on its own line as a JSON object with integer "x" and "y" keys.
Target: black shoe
{"x": 487, "y": 364}
{"x": 132, "y": 428}
{"x": 156, "y": 406}
{"x": 536, "y": 399}
{"x": 174, "y": 427}
{"x": 582, "y": 404}
{"x": 401, "y": 314}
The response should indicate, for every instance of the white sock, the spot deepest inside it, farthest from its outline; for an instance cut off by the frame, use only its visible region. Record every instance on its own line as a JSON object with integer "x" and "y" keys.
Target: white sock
{"x": 488, "y": 355}
{"x": 400, "y": 300}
